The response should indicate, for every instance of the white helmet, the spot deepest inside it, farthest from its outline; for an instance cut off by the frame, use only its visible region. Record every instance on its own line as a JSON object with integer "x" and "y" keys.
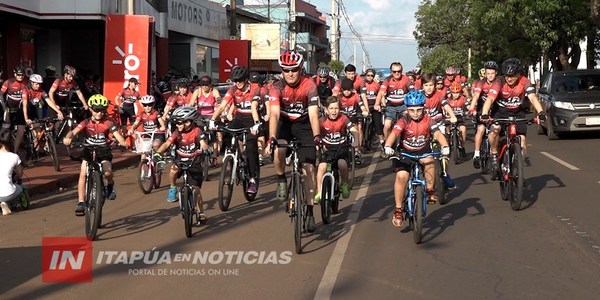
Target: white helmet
{"x": 37, "y": 78}
{"x": 147, "y": 99}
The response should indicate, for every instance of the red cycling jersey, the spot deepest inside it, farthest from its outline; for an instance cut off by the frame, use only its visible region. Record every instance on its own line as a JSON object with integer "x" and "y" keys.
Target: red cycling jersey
{"x": 36, "y": 97}
{"x": 176, "y": 101}
{"x": 128, "y": 96}
{"x": 335, "y": 132}
{"x": 394, "y": 90}
{"x": 14, "y": 91}
{"x": 448, "y": 82}
{"x": 511, "y": 99}
{"x": 418, "y": 84}
{"x": 371, "y": 89}
{"x": 242, "y": 99}
{"x": 457, "y": 105}
{"x": 357, "y": 84}
{"x": 434, "y": 104}
{"x": 415, "y": 135}
{"x": 294, "y": 101}
{"x": 149, "y": 121}
{"x": 350, "y": 105}
{"x": 187, "y": 144}
{"x": 96, "y": 133}
{"x": 486, "y": 89}
{"x": 63, "y": 88}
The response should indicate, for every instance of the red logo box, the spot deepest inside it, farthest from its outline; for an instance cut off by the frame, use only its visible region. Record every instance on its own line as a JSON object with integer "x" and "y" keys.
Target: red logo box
{"x": 66, "y": 259}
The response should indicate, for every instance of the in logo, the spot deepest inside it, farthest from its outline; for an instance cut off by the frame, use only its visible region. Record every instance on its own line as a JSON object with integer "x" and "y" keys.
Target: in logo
{"x": 66, "y": 259}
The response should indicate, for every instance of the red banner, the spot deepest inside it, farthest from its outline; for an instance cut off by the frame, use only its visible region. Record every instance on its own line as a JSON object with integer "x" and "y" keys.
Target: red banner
{"x": 126, "y": 53}
{"x": 232, "y": 53}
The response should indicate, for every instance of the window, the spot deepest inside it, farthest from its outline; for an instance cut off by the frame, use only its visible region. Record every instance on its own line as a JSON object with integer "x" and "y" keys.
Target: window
{"x": 201, "y": 59}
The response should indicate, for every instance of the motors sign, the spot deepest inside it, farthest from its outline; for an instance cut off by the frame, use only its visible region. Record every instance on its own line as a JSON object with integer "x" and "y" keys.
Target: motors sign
{"x": 199, "y": 18}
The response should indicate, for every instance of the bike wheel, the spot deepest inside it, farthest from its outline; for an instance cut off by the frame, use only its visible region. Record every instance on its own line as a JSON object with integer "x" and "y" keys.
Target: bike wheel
{"x": 226, "y": 183}
{"x": 186, "y": 210}
{"x": 485, "y": 156}
{"x": 145, "y": 177}
{"x": 157, "y": 174}
{"x": 24, "y": 199}
{"x": 418, "y": 214}
{"x": 93, "y": 211}
{"x": 440, "y": 189}
{"x": 351, "y": 167}
{"x": 53, "y": 152}
{"x": 298, "y": 213}
{"x": 516, "y": 177}
{"x": 205, "y": 167}
{"x": 366, "y": 142}
{"x": 455, "y": 150}
{"x": 326, "y": 200}
{"x": 504, "y": 181}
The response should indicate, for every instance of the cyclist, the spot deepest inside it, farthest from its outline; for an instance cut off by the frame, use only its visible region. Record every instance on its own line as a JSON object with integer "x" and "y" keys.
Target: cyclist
{"x": 488, "y": 88}
{"x": 245, "y": 98}
{"x": 149, "y": 118}
{"x": 334, "y": 129}
{"x": 391, "y": 96}
{"x": 417, "y": 84}
{"x": 453, "y": 75}
{"x": 371, "y": 90}
{"x": 325, "y": 84}
{"x": 207, "y": 99}
{"x": 357, "y": 81}
{"x": 510, "y": 104}
{"x": 60, "y": 92}
{"x": 439, "y": 84}
{"x": 37, "y": 97}
{"x": 125, "y": 100}
{"x": 436, "y": 102}
{"x": 256, "y": 81}
{"x": 295, "y": 114}
{"x": 12, "y": 95}
{"x": 189, "y": 143}
{"x": 181, "y": 98}
{"x": 411, "y": 79}
{"x": 97, "y": 129}
{"x": 351, "y": 104}
{"x": 457, "y": 104}
{"x": 414, "y": 131}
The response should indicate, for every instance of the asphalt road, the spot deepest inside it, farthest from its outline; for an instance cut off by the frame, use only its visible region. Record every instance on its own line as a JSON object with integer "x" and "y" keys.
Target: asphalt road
{"x": 475, "y": 247}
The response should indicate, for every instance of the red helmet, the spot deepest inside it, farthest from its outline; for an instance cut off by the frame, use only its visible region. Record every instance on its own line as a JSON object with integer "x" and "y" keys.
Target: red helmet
{"x": 290, "y": 60}
{"x": 455, "y": 87}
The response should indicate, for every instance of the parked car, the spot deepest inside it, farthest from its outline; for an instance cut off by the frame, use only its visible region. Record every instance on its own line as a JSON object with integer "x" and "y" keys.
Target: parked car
{"x": 571, "y": 100}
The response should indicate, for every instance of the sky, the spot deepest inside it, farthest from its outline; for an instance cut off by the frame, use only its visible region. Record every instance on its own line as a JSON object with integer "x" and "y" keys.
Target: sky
{"x": 386, "y": 26}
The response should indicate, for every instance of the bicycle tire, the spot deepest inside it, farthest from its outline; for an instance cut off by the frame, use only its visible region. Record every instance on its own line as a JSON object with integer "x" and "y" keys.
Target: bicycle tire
{"x": 485, "y": 156}
{"x": 205, "y": 167}
{"x": 157, "y": 175}
{"x": 326, "y": 200}
{"x": 298, "y": 215}
{"x": 440, "y": 189}
{"x": 454, "y": 149}
{"x": 351, "y": 167}
{"x": 516, "y": 178}
{"x": 145, "y": 177}
{"x": 25, "y": 200}
{"x": 186, "y": 210}
{"x": 53, "y": 152}
{"x": 366, "y": 145}
{"x": 505, "y": 188}
{"x": 93, "y": 209}
{"x": 226, "y": 183}
{"x": 418, "y": 213}
{"x": 250, "y": 196}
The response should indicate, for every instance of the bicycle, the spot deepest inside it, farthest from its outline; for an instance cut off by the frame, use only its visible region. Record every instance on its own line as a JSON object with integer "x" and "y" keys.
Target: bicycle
{"x": 439, "y": 184}
{"x": 68, "y": 124}
{"x": 456, "y": 143}
{"x": 368, "y": 133}
{"x": 330, "y": 193}
{"x": 415, "y": 198}
{"x": 187, "y": 196}
{"x": 510, "y": 157}
{"x": 33, "y": 140}
{"x": 484, "y": 149}
{"x": 235, "y": 168}
{"x": 351, "y": 162}
{"x": 149, "y": 174}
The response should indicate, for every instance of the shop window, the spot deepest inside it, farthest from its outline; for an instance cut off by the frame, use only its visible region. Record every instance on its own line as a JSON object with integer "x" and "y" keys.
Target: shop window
{"x": 201, "y": 67}
{"x": 214, "y": 63}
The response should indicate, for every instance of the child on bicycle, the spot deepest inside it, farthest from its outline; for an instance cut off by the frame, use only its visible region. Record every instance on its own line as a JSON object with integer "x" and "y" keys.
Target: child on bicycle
{"x": 334, "y": 131}
{"x": 151, "y": 121}
{"x": 415, "y": 131}
{"x": 190, "y": 143}
{"x": 457, "y": 101}
{"x": 97, "y": 129}
{"x": 353, "y": 106}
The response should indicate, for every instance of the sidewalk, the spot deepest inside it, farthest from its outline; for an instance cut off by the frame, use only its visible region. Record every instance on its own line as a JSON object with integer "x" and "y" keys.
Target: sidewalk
{"x": 43, "y": 178}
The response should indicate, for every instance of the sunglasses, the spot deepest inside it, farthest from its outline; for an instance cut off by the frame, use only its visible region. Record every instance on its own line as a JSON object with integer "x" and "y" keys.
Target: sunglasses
{"x": 99, "y": 110}
{"x": 147, "y": 105}
{"x": 294, "y": 70}
{"x": 323, "y": 77}
{"x": 239, "y": 80}
{"x": 396, "y": 71}
{"x": 370, "y": 75}
{"x": 439, "y": 83}
{"x": 179, "y": 122}
{"x": 19, "y": 74}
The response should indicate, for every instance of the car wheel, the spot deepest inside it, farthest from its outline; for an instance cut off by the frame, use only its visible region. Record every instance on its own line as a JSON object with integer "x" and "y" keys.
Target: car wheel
{"x": 550, "y": 132}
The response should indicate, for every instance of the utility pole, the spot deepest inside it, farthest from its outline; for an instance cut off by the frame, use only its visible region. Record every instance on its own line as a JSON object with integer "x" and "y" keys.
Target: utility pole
{"x": 354, "y": 58}
{"x": 335, "y": 29}
{"x": 232, "y": 18}
{"x": 292, "y": 29}
{"x": 130, "y": 10}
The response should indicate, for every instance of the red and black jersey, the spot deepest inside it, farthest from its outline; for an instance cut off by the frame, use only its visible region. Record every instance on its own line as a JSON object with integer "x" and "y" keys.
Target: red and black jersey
{"x": 36, "y": 97}
{"x": 358, "y": 84}
{"x": 394, "y": 90}
{"x": 176, "y": 101}
{"x": 415, "y": 135}
{"x": 294, "y": 101}
{"x": 434, "y": 104}
{"x": 418, "y": 84}
{"x": 97, "y": 132}
{"x": 448, "y": 82}
{"x": 242, "y": 99}
{"x": 486, "y": 89}
{"x": 510, "y": 98}
{"x": 335, "y": 132}
{"x": 63, "y": 88}
{"x": 187, "y": 144}
{"x": 457, "y": 105}
{"x": 14, "y": 91}
{"x": 371, "y": 89}
{"x": 129, "y": 96}
{"x": 350, "y": 105}
{"x": 148, "y": 121}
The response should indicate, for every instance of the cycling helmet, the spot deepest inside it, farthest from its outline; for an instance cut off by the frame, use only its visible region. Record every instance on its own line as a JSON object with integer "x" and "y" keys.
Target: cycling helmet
{"x": 239, "y": 73}
{"x": 254, "y": 77}
{"x": 451, "y": 71}
{"x": 37, "y": 78}
{"x": 439, "y": 78}
{"x": 205, "y": 80}
{"x": 147, "y": 99}
{"x": 490, "y": 64}
{"x": 511, "y": 66}
{"x": 290, "y": 60}
{"x": 98, "y": 102}
{"x": 370, "y": 71}
{"x": 19, "y": 70}
{"x": 455, "y": 87}
{"x": 410, "y": 73}
{"x": 51, "y": 68}
{"x": 70, "y": 70}
{"x": 323, "y": 71}
{"x": 347, "y": 84}
{"x": 415, "y": 98}
{"x": 184, "y": 113}
{"x": 183, "y": 82}
{"x": 482, "y": 72}
{"x": 417, "y": 71}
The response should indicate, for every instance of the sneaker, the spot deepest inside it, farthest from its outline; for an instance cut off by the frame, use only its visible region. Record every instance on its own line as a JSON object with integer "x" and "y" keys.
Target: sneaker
{"x": 357, "y": 159}
{"x": 310, "y": 224}
{"x": 252, "y": 187}
{"x": 318, "y": 198}
{"x": 448, "y": 182}
{"x": 80, "y": 209}
{"x": 261, "y": 161}
{"x": 432, "y": 197}
{"x": 493, "y": 167}
{"x": 477, "y": 162}
{"x": 201, "y": 219}
{"x": 172, "y": 196}
{"x": 397, "y": 218}
{"x": 110, "y": 191}
{"x": 345, "y": 190}
{"x": 282, "y": 191}
{"x": 5, "y": 208}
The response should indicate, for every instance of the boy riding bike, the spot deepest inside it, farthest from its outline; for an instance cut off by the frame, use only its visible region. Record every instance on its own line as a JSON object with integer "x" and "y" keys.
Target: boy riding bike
{"x": 151, "y": 121}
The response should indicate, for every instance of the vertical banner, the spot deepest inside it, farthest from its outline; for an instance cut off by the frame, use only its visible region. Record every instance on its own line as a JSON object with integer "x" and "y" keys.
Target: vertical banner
{"x": 126, "y": 53}
{"x": 233, "y": 53}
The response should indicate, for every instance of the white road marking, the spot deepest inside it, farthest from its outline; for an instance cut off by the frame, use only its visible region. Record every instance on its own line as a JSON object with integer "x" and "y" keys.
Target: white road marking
{"x": 325, "y": 289}
{"x": 560, "y": 161}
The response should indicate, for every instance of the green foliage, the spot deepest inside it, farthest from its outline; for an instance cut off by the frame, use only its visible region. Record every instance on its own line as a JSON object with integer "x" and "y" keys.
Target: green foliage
{"x": 336, "y": 65}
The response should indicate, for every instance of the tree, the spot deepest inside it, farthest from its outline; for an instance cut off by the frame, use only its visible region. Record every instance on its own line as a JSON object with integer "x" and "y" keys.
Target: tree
{"x": 336, "y": 66}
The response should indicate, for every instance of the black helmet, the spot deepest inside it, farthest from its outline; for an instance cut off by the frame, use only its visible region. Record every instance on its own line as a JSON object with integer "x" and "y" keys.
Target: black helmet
{"x": 346, "y": 84}
{"x": 19, "y": 70}
{"x": 239, "y": 73}
{"x": 183, "y": 82}
{"x": 255, "y": 77}
{"x": 490, "y": 64}
{"x": 511, "y": 66}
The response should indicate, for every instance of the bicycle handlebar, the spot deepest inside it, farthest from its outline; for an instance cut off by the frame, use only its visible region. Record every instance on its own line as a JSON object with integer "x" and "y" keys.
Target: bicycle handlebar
{"x": 413, "y": 157}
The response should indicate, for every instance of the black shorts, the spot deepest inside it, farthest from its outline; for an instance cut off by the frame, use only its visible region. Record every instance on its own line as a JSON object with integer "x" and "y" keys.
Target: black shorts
{"x": 302, "y": 132}
{"x": 404, "y": 164}
{"x": 128, "y": 114}
{"x": 335, "y": 153}
{"x": 17, "y": 117}
{"x": 521, "y": 126}
{"x": 195, "y": 172}
{"x": 101, "y": 155}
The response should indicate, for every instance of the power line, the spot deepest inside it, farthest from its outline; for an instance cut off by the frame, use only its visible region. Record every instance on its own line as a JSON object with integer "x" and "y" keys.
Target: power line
{"x": 356, "y": 33}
